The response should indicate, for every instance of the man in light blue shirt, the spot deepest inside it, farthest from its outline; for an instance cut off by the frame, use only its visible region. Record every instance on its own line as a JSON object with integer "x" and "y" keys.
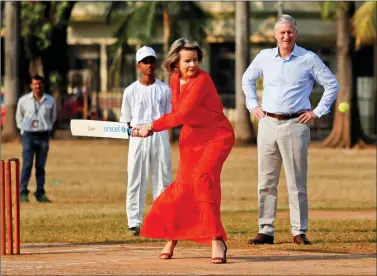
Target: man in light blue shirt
{"x": 35, "y": 117}
{"x": 289, "y": 72}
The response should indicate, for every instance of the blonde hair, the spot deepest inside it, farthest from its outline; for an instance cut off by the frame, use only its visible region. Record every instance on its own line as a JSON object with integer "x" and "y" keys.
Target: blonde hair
{"x": 175, "y": 48}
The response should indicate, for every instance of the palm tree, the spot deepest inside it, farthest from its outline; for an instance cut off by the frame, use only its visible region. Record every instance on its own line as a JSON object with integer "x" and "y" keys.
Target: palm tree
{"x": 243, "y": 128}
{"x": 365, "y": 26}
{"x": 347, "y": 131}
{"x": 142, "y": 20}
{"x": 364, "y": 23}
{"x": 12, "y": 67}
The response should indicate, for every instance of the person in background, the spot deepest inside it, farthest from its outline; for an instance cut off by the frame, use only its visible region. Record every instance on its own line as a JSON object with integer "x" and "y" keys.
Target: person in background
{"x": 143, "y": 101}
{"x": 35, "y": 117}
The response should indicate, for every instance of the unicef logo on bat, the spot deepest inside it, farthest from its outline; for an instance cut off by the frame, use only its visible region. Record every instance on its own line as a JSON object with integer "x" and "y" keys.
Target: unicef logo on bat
{"x": 117, "y": 128}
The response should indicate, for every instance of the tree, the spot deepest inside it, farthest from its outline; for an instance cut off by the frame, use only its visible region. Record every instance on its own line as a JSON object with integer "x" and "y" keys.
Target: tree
{"x": 347, "y": 131}
{"x": 365, "y": 25}
{"x": 44, "y": 31}
{"x": 12, "y": 67}
{"x": 142, "y": 21}
{"x": 243, "y": 130}
{"x": 42, "y": 47}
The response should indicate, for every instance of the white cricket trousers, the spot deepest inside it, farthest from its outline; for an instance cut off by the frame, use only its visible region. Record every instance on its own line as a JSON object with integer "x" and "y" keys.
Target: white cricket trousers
{"x": 146, "y": 156}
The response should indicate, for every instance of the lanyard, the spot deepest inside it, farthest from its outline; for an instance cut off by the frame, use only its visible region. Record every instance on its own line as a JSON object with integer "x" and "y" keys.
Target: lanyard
{"x": 36, "y": 107}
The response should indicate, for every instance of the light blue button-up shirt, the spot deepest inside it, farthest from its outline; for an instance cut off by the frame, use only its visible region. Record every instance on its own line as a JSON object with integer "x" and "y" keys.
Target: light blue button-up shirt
{"x": 28, "y": 110}
{"x": 287, "y": 83}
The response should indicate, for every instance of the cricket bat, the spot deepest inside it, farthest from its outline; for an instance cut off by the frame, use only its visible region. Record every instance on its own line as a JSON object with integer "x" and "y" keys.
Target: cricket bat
{"x": 102, "y": 129}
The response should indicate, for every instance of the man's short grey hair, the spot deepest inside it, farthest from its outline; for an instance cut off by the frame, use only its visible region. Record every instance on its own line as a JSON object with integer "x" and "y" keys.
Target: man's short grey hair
{"x": 176, "y": 47}
{"x": 284, "y": 19}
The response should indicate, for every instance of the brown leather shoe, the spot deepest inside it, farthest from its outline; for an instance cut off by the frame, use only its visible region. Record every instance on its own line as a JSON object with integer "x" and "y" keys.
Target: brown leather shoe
{"x": 301, "y": 239}
{"x": 262, "y": 239}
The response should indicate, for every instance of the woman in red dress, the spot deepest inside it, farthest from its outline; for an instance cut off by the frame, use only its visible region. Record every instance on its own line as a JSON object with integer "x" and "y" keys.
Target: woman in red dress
{"x": 189, "y": 209}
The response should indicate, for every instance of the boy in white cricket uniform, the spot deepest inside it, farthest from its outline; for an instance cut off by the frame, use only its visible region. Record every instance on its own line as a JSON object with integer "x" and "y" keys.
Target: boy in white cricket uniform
{"x": 146, "y": 100}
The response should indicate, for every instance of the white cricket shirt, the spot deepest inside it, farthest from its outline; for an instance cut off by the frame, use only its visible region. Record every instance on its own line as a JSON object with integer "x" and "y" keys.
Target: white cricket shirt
{"x": 142, "y": 104}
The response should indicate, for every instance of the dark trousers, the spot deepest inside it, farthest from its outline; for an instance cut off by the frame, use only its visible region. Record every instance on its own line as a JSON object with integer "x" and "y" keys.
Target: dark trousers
{"x": 34, "y": 143}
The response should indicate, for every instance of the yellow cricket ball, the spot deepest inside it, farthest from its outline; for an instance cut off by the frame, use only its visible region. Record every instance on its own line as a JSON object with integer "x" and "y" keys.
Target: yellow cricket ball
{"x": 344, "y": 107}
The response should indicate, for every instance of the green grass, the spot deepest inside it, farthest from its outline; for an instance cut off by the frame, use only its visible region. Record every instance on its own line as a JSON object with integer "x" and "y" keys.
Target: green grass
{"x": 89, "y": 201}
{"x": 108, "y": 225}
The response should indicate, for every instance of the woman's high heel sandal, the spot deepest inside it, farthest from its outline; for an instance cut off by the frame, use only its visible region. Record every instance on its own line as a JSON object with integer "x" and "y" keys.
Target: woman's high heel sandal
{"x": 220, "y": 260}
{"x": 167, "y": 256}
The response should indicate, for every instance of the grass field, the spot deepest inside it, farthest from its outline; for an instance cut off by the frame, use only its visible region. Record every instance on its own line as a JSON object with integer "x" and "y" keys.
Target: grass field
{"x": 86, "y": 180}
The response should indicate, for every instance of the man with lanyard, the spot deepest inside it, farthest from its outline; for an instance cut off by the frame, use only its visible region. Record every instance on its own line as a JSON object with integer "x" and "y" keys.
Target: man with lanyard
{"x": 35, "y": 116}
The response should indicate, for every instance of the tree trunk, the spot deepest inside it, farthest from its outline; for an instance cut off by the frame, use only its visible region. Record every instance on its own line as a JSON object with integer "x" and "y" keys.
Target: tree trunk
{"x": 12, "y": 67}
{"x": 172, "y": 136}
{"x": 243, "y": 128}
{"x": 375, "y": 82}
{"x": 36, "y": 67}
{"x": 60, "y": 45}
{"x": 346, "y": 131}
{"x": 166, "y": 40}
{"x": 280, "y": 8}
{"x": 46, "y": 73}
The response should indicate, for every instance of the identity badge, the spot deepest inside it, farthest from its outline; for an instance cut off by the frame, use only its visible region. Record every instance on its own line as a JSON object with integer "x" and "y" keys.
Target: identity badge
{"x": 34, "y": 124}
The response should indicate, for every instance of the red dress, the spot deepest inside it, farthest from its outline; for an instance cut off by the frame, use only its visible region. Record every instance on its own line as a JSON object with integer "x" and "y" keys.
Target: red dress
{"x": 189, "y": 209}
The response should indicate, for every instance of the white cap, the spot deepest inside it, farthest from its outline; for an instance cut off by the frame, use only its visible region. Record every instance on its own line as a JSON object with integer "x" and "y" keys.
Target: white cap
{"x": 144, "y": 52}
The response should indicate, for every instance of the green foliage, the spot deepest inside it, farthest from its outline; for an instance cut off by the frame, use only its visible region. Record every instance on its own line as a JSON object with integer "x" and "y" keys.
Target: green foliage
{"x": 54, "y": 80}
{"x": 39, "y": 21}
{"x": 364, "y": 23}
{"x": 143, "y": 20}
{"x": 118, "y": 50}
{"x": 328, "y": 9}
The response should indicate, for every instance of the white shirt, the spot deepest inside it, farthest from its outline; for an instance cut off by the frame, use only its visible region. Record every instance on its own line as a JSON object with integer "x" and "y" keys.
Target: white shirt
{"x": 34, "y": 117}
{"x": 142, "y": 104}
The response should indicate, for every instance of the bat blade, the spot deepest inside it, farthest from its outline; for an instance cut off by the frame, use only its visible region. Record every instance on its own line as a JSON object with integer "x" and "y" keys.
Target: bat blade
{"x": 101, "y": 129}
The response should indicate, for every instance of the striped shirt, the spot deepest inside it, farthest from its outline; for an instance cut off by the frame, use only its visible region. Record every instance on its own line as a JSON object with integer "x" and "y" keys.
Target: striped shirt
{"x": 34, "y": 117}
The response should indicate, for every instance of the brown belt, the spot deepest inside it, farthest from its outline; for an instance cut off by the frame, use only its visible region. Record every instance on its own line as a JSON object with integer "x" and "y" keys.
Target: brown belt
{"x": 283, "y": 116}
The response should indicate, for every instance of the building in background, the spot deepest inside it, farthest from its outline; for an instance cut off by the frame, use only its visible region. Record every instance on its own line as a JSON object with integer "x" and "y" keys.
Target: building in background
{"x": 90, "y": 38}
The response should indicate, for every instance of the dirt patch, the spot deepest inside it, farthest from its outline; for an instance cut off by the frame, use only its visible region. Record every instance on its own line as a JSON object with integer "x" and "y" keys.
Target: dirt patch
{"x": 139, "y": 259}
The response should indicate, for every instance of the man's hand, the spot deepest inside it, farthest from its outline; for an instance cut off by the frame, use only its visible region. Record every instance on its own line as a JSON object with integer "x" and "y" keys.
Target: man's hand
{"x": 258, "y": 112}
{"x": 306, "y": 117}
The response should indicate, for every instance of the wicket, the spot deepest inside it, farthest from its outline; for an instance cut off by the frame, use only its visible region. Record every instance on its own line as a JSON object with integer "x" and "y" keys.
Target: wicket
{"x": 6, "y": 216}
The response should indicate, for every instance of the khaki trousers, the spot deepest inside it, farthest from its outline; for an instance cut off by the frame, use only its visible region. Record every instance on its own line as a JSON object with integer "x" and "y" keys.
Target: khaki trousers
{"x": 282, "y": 142}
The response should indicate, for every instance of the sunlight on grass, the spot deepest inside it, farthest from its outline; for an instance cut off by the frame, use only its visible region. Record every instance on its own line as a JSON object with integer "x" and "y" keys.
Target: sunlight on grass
{"x": 87, "y": 182}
